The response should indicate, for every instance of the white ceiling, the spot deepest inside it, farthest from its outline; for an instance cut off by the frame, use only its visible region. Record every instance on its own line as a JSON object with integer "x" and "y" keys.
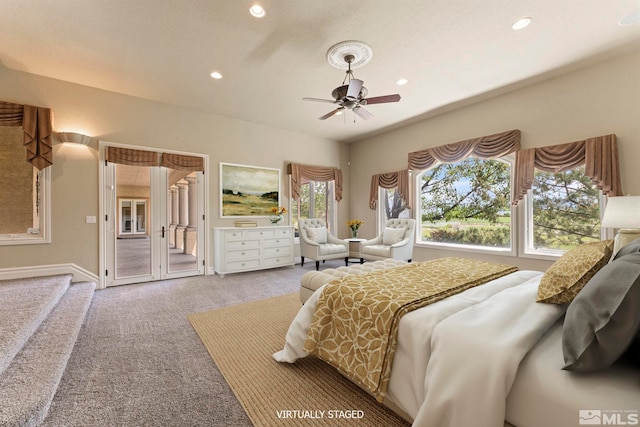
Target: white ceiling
{"x": 451, "y": 51}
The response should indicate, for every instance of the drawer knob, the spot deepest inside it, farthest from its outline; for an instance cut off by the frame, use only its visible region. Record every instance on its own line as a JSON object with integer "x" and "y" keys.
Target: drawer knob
{"x": 277, "y": 250}
{"x": 243, "y": 243}
{"x": 242, "y": 253}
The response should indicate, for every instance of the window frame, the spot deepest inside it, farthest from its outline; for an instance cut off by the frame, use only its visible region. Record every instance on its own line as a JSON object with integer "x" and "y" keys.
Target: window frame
{"x": 512, "y": 251}
{"x": 525, "y": 216}
{"x": 44, "y": 207}
{"x": 332, "y": 207}
{"x": 380, "y": 217}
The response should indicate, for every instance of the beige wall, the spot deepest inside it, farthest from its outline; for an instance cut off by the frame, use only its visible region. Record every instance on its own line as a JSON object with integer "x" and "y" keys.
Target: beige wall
{"x": 598, "y": 100}
{"x": 126, "y": 120}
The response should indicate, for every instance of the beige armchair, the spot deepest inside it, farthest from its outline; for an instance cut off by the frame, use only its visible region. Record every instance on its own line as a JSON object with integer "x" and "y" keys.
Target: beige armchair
{"x": 316, "y": 242}
{"x": 395, "y": 241}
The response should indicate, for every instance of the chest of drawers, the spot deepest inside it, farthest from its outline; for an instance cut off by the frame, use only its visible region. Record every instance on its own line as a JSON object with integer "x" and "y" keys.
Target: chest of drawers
{"x": 237, "y": 249}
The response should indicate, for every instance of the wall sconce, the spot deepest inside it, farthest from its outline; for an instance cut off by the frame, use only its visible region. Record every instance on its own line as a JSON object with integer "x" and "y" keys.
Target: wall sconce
{"x": 74, "y": 138}
{"x": 624, "y": 213}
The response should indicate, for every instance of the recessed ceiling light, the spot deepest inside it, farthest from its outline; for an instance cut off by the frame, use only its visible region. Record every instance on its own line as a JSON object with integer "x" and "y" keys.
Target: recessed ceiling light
{"x": 632, "y": 18}
{"x": 216, "y": 75}
{"x": 521, "y": 23}
{"x": 402, "y": 82}
{"x": 257, "y": 11}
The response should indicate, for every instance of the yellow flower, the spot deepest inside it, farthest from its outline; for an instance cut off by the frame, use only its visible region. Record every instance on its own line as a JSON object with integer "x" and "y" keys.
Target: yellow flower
{"x": 354, "y": 224}
{"x": 278, "y": 210}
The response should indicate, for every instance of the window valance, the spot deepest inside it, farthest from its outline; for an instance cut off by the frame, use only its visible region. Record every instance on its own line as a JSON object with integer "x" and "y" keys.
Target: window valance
{"x": 37, "y": 127}
{"x": 399, "y": 179}
{"x": 301, "y": 174}
{"x": 182, "y": 162}
{"x": 134, "y": 157}
{"x": 484, "y": 147}
{"x": 599, "y": 155}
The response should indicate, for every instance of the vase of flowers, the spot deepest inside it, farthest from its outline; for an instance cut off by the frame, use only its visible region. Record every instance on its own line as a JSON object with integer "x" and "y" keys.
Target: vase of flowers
{"x": 354, "y": 225}
{"x": 277, "y": 214}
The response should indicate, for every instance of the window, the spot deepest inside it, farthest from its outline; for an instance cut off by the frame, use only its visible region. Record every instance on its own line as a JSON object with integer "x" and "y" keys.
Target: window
{"x": 563, "y": 211}
{"x": 467, "y": 204}
{"x": 391, "y": 206}
{"x": 24, "y": 211}
{"x": 317, "y": 200}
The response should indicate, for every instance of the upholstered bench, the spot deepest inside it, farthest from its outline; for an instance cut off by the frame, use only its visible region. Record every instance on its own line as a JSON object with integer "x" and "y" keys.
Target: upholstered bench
{"x": 311, "y": 281}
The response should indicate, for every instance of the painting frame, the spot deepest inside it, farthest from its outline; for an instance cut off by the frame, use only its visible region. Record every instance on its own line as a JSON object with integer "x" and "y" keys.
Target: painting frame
{"x": 248, "y": 191}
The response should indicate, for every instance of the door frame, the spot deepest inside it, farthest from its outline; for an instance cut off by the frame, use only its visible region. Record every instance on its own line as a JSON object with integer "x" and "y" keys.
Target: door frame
{"x": 104, "y": 278}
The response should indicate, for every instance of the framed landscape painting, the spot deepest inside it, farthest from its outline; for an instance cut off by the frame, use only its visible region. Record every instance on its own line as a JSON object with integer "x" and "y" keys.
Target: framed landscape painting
{"x": 248, "y": 190}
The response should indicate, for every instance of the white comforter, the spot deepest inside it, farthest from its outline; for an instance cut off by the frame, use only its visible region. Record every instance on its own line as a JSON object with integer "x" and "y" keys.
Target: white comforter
{"x": 456, "y": 359}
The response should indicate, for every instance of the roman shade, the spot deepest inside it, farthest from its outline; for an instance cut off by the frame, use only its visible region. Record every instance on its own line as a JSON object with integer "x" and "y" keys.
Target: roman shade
{"x": 599, "y": 155}
{"x": 37, "y": 128}
{"x": 398, "y": 179}
{"x": 301, "y": 174}
{"x": 134, "y": 157}
{"x": 484, "y": 147}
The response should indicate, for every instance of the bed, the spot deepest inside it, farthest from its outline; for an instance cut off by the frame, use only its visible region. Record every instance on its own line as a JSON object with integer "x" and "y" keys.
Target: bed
{"x": 491, "y": 354}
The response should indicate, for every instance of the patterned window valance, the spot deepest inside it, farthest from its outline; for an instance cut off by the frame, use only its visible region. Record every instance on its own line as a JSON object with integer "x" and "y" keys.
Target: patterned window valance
{"x": 399, "y": 179}
{"x": 134, "y": 157}
{"x": 301, "y": 174}
{"x": 37, "y": 127}
{"x": 182, "y": 162}
{"x": 485, "y": 147}
{"x": 599, "y": 155}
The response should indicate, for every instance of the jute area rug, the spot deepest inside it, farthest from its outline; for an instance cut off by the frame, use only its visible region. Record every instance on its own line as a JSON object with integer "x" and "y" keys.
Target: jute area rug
{"x": 241, "y": 340}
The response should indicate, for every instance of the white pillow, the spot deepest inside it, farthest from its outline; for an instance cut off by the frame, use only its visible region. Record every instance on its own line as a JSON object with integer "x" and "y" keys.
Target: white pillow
{"x": 317, "y": 234}
{"x": 392, "y": 235}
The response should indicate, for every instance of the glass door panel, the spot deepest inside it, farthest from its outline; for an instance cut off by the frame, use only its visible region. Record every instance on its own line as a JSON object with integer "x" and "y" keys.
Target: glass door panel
{"x": 183, "y": 219}
{"x": 133, "y": 247}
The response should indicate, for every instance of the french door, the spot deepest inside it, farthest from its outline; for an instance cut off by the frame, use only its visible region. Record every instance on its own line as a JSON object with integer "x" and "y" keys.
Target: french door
{"x": 154, "y": 223}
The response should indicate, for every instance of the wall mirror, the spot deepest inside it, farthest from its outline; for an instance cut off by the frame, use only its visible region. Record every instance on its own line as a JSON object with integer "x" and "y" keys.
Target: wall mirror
{"x": 25, "y": 193}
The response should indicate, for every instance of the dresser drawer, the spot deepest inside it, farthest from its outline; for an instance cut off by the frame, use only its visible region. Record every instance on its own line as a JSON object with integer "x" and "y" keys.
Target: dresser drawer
{"x": 244, "y": 244}
{"x": 242, "y": 265}
{"x": 243, "y": 255}
{"x": 260, "y": 234}
{"x": 283, "y": 232}
{"x": 278, "y": 241}
{"x": 278, "y": 251}
{"x": 234, "y": 235}
{"x": 278, "y": 261}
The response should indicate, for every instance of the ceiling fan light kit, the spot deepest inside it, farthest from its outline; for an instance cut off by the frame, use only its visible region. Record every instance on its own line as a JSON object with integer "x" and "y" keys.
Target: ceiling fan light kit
{"x": 348, "y": 55}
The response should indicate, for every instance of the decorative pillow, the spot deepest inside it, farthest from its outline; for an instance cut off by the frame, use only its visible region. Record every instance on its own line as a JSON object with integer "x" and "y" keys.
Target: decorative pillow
{"x": 603, "y": 321}
{"x": 564, "y": 279}
{"x": 392, "y": 235}
{"x": 317, "y": 234}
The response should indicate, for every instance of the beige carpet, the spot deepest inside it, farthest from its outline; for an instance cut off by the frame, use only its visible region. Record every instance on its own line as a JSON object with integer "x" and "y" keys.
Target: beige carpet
{"x": 241, "y": 339}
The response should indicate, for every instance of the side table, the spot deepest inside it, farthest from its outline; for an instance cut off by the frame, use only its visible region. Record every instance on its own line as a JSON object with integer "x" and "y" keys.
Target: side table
{"x": 354, "y": 249}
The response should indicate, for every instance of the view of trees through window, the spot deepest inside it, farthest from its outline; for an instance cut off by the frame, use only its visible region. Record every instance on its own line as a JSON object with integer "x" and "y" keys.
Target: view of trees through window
{"x": 392, "y": 205}
{"x": 565, "y": 209}
{"x": 467, "y": 203}
{"x": 313, "y": 202}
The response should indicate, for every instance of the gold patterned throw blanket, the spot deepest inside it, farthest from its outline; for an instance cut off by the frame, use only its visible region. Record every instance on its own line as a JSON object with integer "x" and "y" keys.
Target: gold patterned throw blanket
{"x": 355, "y": 325}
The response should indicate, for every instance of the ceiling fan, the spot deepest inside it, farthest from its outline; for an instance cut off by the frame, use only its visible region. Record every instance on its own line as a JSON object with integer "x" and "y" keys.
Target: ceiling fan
{"x": 352, "y": 96}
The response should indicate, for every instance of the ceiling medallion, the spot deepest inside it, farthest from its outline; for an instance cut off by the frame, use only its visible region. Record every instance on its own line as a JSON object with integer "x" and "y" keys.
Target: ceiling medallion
{"x": 361, "y": 52}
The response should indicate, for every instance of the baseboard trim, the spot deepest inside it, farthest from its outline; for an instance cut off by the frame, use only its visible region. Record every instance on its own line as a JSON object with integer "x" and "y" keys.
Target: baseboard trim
{"x": 79, "y": 273}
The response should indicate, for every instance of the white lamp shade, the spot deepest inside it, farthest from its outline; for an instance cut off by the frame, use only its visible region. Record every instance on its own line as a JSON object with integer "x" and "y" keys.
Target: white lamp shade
{"x": 622, "y": 212}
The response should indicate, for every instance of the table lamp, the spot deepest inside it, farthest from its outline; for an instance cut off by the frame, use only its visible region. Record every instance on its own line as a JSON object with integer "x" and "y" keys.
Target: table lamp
{"x": 623, "y": 213}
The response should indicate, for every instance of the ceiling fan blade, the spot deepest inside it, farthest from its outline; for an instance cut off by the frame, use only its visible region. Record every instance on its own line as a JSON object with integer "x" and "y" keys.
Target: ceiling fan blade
{"x": 330, "y": 101}
{"x": 382, "y": 99}
{"x": 355, "y": 85}
{"x": 364, "y": 114}
{"x": 334, "y": 112}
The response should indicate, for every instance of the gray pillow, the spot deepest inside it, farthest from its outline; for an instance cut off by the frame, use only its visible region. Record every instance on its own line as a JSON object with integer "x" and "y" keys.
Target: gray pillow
{"x": 604, "y": 318}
